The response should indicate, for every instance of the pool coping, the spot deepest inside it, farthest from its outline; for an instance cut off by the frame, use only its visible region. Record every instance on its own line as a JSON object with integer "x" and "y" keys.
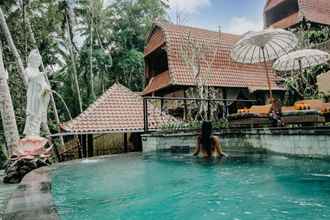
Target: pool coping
{"x": 33, "y": 199}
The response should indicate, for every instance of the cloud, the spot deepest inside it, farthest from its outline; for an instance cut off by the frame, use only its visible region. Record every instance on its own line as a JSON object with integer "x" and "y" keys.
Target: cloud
{"x": 241, "y": 25}
{"x": 188, "y": 6}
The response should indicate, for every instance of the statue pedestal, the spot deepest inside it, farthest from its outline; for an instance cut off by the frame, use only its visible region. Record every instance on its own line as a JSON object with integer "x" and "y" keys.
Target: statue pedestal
{"x": 30, "y": 155}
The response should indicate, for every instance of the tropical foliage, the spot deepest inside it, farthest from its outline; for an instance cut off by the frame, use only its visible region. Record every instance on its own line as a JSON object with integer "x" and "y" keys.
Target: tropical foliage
{"x": 86, "y": 46}
{"x": 304, "y": 84}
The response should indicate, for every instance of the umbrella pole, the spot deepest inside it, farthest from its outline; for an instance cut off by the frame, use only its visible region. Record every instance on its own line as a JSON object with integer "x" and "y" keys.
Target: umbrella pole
{"x": 267, "y": 74}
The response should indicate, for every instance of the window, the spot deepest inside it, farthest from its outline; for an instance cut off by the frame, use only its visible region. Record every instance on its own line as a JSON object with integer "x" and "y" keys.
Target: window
{"x": 157, "y": 62}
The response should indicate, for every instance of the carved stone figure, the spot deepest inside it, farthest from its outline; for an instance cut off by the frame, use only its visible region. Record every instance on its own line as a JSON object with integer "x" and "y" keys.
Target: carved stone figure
{"x": 38, "y": 96}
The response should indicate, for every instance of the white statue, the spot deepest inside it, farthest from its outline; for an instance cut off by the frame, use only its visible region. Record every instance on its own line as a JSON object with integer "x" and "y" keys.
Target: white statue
{"x": 38, "y": 96}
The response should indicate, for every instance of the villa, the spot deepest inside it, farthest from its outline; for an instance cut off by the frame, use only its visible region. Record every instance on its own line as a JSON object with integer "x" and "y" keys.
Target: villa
{"x": 289, "y": 13}
{"x": 168, "y": 75}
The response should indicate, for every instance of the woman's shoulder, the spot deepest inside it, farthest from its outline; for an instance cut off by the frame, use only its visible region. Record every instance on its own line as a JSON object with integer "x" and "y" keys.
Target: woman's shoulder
{"x": 215, "y": 139}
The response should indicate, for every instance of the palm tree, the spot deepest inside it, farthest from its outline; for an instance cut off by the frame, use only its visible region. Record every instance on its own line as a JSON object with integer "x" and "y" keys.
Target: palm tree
{"x": 95, "y": 26}
{"x": 7, "y": 110}
{"x": 12, "y": 46}
{"x": 70, "y": 46}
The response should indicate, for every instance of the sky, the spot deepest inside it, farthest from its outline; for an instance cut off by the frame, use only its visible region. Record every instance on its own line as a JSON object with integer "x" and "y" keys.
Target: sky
{"x": 233, "y": 16}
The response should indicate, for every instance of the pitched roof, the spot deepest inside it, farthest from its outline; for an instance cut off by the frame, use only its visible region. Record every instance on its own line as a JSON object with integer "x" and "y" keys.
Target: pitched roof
{"x": 117, "y": 110}
{"x": 317, "y": 11}
{"x": 158, "y": 82}
{"x": 224, "y": 72}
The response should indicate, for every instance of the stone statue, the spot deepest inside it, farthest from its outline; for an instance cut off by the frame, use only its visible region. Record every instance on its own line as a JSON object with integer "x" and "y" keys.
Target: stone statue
{"x": 38, "y": 96}
{"x": 31, "y": 152}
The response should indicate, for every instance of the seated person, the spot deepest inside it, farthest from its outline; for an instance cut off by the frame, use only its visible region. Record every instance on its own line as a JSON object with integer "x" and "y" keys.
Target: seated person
{"x": 208, "y": 145}
{"x": 276, "y": 112}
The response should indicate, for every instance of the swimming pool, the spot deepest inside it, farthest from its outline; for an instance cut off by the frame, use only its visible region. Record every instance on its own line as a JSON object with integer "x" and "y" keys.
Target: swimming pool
{"x": 176, "y": 187}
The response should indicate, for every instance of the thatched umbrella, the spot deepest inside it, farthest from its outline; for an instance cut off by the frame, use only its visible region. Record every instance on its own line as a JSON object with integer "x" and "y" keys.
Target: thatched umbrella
{"x": 264, "y": 46}
{"x": 301, "y": 59}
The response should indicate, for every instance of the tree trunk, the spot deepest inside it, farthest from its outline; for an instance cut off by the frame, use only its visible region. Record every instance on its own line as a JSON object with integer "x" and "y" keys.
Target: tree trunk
{"x": 91, "y": 54}
{"x": 73, "y": 60}
{"x": 12, "y": 46}
{"x": 19, "y": 62}
{"x": 91, "y": 66}
{"x": 7, "y": 110}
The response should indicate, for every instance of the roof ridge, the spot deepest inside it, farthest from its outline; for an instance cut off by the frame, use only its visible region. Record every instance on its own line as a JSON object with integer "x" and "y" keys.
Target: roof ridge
{"x": 100, "y": 99}
{"x": 162, "y": 26}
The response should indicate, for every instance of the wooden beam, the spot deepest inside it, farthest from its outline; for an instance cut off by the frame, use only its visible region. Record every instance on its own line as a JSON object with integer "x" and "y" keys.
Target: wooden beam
{"x": 125, "y": 143}
{"x": 185, "y": 104}
{"x": 225, "y": 106}
{"x": 83, "y": 144}
{"x": 90, "y": 149}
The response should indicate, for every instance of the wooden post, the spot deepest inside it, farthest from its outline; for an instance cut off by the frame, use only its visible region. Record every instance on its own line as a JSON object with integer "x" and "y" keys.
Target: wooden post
{"x": 83, "y": 144}
{"x": 57, "y": 154}
{"x": 80, "y": 155}
{"x": 125, "y": 143}
{"x": 208, "y": 105}
{"x": 90, "y": 149}
{"x": 162, "y": 105}
{"x": 225, "y": 107}
{"x": 185, "y": 105}
{"x": 145, "y": 115}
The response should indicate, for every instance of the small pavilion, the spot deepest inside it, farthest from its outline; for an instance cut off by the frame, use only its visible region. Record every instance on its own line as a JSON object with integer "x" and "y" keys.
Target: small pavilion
{"x": 118, "y": 111}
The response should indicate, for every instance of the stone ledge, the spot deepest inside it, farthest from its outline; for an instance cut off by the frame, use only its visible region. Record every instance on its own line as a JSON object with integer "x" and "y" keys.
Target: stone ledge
{"x": 325, "y": 130}
{"x": 33, "y": 198}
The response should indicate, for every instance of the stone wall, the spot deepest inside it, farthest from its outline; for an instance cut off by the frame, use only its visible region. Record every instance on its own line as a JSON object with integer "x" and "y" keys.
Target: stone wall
{"x": 308, "y": 142}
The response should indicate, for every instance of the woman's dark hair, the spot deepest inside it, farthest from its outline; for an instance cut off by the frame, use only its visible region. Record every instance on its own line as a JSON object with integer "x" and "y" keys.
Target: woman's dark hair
{"x": 206, "y": 138}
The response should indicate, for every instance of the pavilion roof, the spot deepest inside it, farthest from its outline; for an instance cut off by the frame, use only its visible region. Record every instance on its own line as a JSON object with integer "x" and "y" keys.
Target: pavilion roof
{"x": 117, "y": 110}
{"x": 224, "y": 71}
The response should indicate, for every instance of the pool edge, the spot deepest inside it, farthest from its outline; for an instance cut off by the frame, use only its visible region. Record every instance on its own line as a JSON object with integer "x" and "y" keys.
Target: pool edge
{"x": 33, "y": 200}
{"x": 26, "y": 202}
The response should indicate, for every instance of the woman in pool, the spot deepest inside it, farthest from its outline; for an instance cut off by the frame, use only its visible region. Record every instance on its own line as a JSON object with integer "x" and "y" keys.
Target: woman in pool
{"x": 208, "y": 145}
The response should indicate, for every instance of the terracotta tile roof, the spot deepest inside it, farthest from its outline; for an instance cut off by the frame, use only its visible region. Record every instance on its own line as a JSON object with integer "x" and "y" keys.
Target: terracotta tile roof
{"x": 157, "y": 39}
{"x": 158, "y": 82}
{"x": 316, "y": 10}
{"x": 225, "y": 72}
{"x": 117, "y": 110}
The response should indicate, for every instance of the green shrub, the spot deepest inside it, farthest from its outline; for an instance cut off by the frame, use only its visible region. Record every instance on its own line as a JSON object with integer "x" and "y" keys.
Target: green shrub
{"x": 194, "y": 125}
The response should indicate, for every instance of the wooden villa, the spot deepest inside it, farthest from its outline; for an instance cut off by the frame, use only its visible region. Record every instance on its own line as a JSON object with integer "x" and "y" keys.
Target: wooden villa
{"x": 289, "y": 13}
{"x": 168, "y": 75}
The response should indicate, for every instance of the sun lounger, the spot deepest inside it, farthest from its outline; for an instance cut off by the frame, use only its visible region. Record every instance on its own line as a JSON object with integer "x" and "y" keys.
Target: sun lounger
{"x": 317, "y": 105}
{"x": 305, "y": 112}
{"x": 310, "y": 112}
{"x": 290, "y": 116}
{"x": 256, "y": 116}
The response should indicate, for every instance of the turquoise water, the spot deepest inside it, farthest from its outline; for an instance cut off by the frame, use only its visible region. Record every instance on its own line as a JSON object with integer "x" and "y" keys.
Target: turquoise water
{"x": 179, "y": 187}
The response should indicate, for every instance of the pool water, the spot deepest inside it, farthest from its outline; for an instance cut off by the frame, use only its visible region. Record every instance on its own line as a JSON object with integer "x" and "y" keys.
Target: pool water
{"x": 164, "y": 186}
